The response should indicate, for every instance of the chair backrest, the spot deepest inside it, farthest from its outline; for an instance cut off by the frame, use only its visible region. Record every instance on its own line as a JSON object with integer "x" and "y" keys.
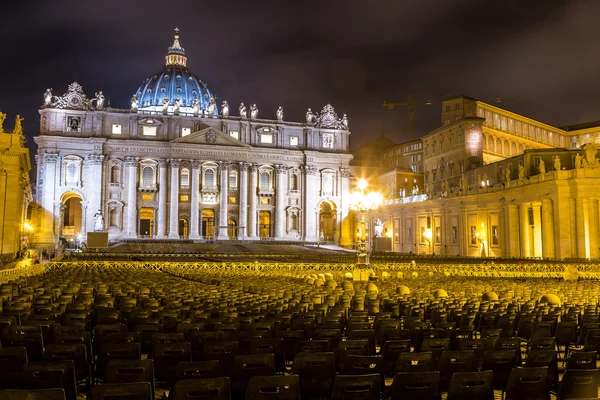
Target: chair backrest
{"x": 273, "y": 387}
{"x": 582, "y": 360}
{"x": 119, "y": 391}
{"x": 205, "y": 389}
{"x": 74, "y": 352}
{"x": 312, "y": 346}
{"x": 544, "y": 358}
{"x": 116, "y": 351}
{"x": 455, "y": 361}
{"x": 166, "y": 356}
{"x": 34, "y": 394}
{"x": 50, "y": 375}
{"x": 12, "y": 360}
{"x": 33, "y": 342}
{"x": 578, "y": 383}
{"x": 528, "y": 384}
{"x": 472, "y": 386}
{"x": 363, "y": 387}
{"x": 128, "y": 371}
{"x": 417, "y": 385}
{"x": 364, "y": 365}
{"x": 391, "y": 350}
{"x": 247, "y": 366}
{"x": 270, "y": 346}
{"x": 316, "y": 372}
{"x": 198, "y": 370}
{"x": 501, "y": 362}
{"x": 415, "y": 362}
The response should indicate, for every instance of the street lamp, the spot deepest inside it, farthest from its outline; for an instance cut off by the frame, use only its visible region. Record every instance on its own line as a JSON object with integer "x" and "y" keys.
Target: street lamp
{"x": 427, "y": 236}
{"x": 363, "y": 202}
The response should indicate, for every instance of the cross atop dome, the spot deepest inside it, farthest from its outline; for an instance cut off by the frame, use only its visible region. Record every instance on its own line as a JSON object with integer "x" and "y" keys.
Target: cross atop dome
{"x": 176, "y": 53}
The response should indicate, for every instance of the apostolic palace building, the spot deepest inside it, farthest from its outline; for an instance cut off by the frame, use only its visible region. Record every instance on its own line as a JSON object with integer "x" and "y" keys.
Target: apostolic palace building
{"x": 175, "y": 165}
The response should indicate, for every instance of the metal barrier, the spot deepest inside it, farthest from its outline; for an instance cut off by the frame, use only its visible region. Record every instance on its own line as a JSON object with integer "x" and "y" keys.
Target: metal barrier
{"x": 7, "y": 275}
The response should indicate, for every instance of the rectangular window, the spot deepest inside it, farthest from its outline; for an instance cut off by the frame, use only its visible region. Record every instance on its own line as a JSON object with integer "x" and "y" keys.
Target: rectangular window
{"x": 438, "y": 235}
{"x": 264, "y": 200}
{"x": 454, "y": 235}
{"x": 147, "y": 196}
{"x": 231, "y": 199}
{"x": 293, "y": 140}
{"x": 495, "y": 235}
{"x": 73, "y": 124}
{"x": 409, "y": 234}
{"x": 266, "y": 138}
{"x": 234, "y": 134}
{"x": 184, "y": 197}
{"x": 473, "y": 234}
{"x": 116, "y": 129}
{"x": 149, "y": 131}
{"x": 423, "y": 238}
{"x": 185, "y": 131}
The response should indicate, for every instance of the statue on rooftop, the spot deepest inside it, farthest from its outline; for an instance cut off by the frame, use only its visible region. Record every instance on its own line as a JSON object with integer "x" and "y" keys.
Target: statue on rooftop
{"x": 542, "y": 167}
{"x": 243, "y": 114}
{"x": 134, "y": 103}
{"x": 2, "y": 118}
{"x": 253, "y": 111}
{"x": 98, "y": 222}
{"x": 589, "y": 153}
{"x": 521, "y": 172}
{"x": 48, "y": 97}
{"x": 195, "y": 107}
{"x": 578, "y": 161}
{"x": 507, "y": 177}
{"x": 280, "y": 114}
{"x": 310, "y": 117}
{"x": 378, "y": 228}
{"x": 212, "y": 105}
{"x": 556, "y": 162}
{"x": 165, "y": 103}
{"x": 344, "y": 122}
{"x": 99, "y": 100}
{"x": 225, "y": 109}
{"x": 177, "y": 106}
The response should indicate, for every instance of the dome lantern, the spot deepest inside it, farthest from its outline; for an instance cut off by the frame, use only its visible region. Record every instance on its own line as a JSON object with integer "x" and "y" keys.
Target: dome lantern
{"x": 176, "y": 53}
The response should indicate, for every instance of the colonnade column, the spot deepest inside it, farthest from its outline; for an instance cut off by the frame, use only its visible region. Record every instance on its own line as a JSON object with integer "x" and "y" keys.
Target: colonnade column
{"x": 524, "y": 226}
{"x": 223, "y": 199}
{"x": 593, "y": 226}
{"x": 547, "y": 229}
{"x": 161, "y": 231}
{"x": 582, "y": 227}
{"x": 84, "y": 206}
{"x": 280, "y": 197}
{"x": 537, "y": 230}
{"x": 346, "y": 238}
{"x": 174, "y": 200}
{"x": 243, "y": 210}
{"x": 131, "y": 164}
{"x": 252, "y": 202}
{"x": 511, "y": 229}
{"x": 310, "y": 194}
{"x": 194, "y": 200}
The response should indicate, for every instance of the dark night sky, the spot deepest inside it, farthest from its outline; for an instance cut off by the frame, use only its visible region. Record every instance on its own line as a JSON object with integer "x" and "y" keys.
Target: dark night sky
{"x": 543, "y": 55}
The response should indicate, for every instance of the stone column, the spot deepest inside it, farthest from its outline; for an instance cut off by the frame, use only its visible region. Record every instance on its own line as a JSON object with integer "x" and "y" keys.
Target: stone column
{"x": 243, "y": 210}
{"x": 346, "y": 226}
{"x": 524, "y": 226}
{"x": 194, "y": 200}
{"x": 84, "y": 206}
{"x": 511, "y": 230}
{"x": 252, "y": 201}
{"x": 280, "y": 200}
{"x": 593, "y": 227}
{"x": 537, "y": 230}
{"x": 161, "y": 231}
{"x": 48, "y": 175}
{"x": 547, "y": 229}
{"x": 311, "y": 195}
{"x": 131, "y": 163}
{"x": 94, "y": 197}
{"x": 582, "y": 227}
{"x": 223, "y": 200}
{"x": 174, "y": 200}
{"x": 563, "y": 243}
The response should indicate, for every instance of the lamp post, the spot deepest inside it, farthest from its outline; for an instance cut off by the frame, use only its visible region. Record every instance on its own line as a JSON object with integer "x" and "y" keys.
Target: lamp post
{"x": 427, "y": 235}
{"x": 363, "y": 202}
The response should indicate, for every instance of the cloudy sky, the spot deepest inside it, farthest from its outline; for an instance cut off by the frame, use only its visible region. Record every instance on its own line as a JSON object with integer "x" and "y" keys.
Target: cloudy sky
{"x": 541, "y": 57}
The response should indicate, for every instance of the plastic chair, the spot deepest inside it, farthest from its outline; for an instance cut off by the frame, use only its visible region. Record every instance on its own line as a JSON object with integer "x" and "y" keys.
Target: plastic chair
{"x": 359, "y": 387}
{"x": 351, "y": 348}
{"x": 436, "y": 347}
{"x": 528, "y": 384}
{"x": 247, "y": 366}
{"x": 205, "y": 389}
{"x": 578, "y": 383}
{"x": 290, "y": 342}
{"x": 12, "y": 360}
{"x": 34, "y": 394}
{"x": 118, "y": 391}
{"x": 416, "y": 385}
{"x": 115, "y": 351}
{"x": 33, "y": 342}
{"x": 73, "y": 352}
{"x": 130, "y": 371}
{"x": 390, "y": 352}
{"x": 270, "y": 346}
{"x": 166, "y": 356}
{"x": 501, "y": 362}
{"x": 364, "y": 365}
{"x": 316, "y": 372}
{"x": 51, "y": 375}
{"x": 582, "y": 360}
{"x": 455, "y": 361}
{"x": 312, "y": 346}
{"x": 273, "y": 387}
{"x": 198, "y": 370}
{"x": 472, "y": 386}
{"x": 566, "y": 334}
{"x": 545, "y": 358}
{"x": 415, "y": 362}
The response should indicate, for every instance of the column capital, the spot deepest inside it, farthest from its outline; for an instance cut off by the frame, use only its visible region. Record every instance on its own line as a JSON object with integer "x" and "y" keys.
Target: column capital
{"x": 94, "y": 159}
{"x": 196, "y": 164}
{"x": 345, "y": 172}
{"x": 253, "y": 167}
{"x": 162, "y": 163}
{"x": 131, "y": 161}
{"x": 309, "y": 170}
{"x": 175, "y": 162}
{"x": 223, "y": 165}
{"x": 50, "y": 157}
{"x": 280, "y": 168}
{"x": 244, "y": 166}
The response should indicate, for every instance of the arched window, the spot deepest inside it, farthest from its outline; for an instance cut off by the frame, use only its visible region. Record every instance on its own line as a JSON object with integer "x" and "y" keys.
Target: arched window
{"x": 114, "y": 174}
{"x": 209, "y": 177}
{"x": 185, "y": 177}
{"x": 294, "y": 182}
{"x": 233, "y": 180}
{"x": 264, "y": 180}
{"x": 148, "y": 176}
{"x": 112, "y": 217}
{"x": 72, "y": 173}
{"x": 327, "y": 183}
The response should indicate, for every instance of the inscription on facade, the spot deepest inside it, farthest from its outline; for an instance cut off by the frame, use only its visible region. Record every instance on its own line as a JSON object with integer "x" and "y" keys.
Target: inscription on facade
{"x": 213, "y": 153}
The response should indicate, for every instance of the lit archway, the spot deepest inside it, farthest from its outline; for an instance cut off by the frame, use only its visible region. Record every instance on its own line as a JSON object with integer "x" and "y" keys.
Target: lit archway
{"x": 327, "y": 221}
{"x": 71, "y": 217}
{"x": 208, "y": 223}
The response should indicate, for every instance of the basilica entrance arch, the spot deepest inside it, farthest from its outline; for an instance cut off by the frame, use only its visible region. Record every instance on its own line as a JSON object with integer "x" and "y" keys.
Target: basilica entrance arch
{"x": 327, "y": 221}
{"x": 208, "y": 223}
{"x": 146, "y": 227}
{"x": 264, "y": 224}
{"x": 184, "y": 228}
{"x": 232, "y": 228}
{"x": 71, "y": 217}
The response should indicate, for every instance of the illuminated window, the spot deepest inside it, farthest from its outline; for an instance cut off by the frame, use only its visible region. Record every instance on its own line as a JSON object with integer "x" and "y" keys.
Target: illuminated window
{"x": 264, "y": 180}
{"x": 264, "y": 138}
{"x": 73, "y": 124}
{"x": 185, "y": 177}
{"x": 232, "y": 199}
{"x": 495, "y": 235}
{"x": 149, "y": 131}
{"x": 209, "y": 177}
{"x": 184, "y": 197}
{"x": 294, "y": 182}
{"x": 233, "y": 181}
{"x": 116, "y": 129}
{"x": 264, "y": 200}
{"x": 148, "y": 176}
{"x": 234, "y": 134}
{"x": 185, "y": 131}
{"x": 147, "y": 196}
{"x": 293, "y": 140}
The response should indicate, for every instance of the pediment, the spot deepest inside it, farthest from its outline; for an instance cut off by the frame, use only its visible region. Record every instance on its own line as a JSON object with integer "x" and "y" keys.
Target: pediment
{"x": 210, "y": 136}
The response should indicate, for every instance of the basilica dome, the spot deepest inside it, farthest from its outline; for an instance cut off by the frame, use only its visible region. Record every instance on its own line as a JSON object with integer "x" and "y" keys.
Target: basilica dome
{"x": 175, "y": 83}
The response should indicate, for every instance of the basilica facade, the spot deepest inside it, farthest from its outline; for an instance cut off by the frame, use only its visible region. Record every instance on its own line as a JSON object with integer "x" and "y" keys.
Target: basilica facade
{"x": 176, "y": 165}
